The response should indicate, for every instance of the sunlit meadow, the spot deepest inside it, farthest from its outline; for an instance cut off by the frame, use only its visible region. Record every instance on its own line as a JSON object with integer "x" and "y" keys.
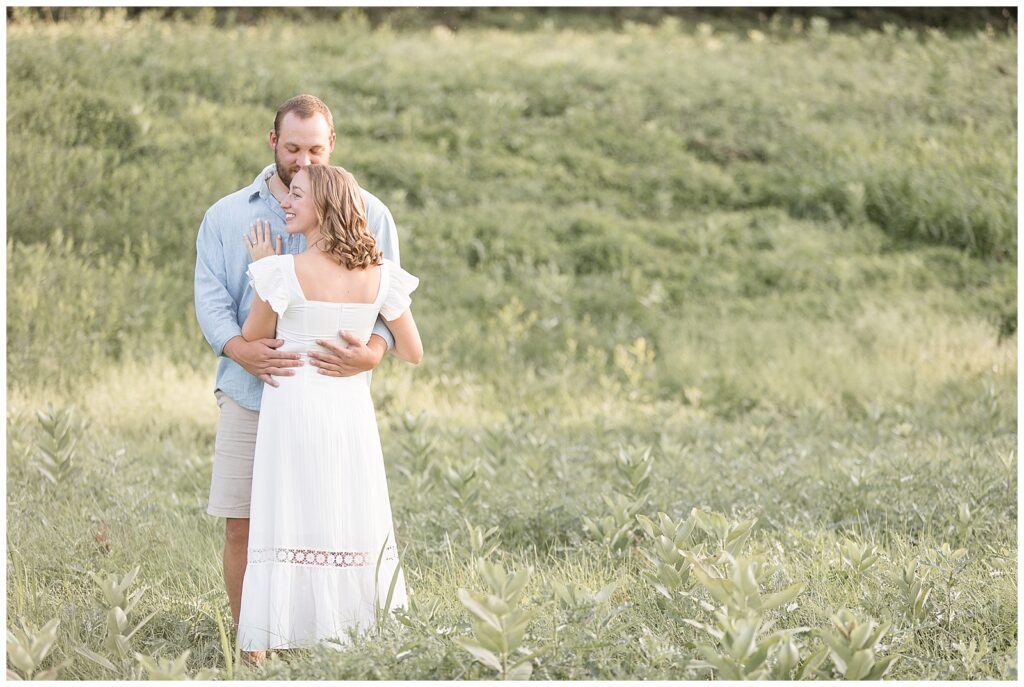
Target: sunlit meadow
{"x": 720, "y": 331}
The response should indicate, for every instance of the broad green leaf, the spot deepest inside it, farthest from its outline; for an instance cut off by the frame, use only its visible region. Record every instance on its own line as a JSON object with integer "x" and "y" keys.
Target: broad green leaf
{"x": 666, "y": 522}
{"x": 20, "y": 657}
{"x": 480, "y": 653}
{"x": 860, "y": 665}
{"x": 666, "y": 549}
{"x": 516, "y": 585}
{"x": 743, "y": 641}
{"x": 647, "y": 525}
{"x": 712, "y": 656}
{"x": 739, "y": 533}
{"x": 809, "y": 666}
{"x": 515, "y": 637}
{"x": 522, "y": 671}
{"x": 712, "y": 584}
{"x": 494, "y": 574}
{"x": 859, "y": 637}
{"x": 787, "y": 658}
{"x": 747, "y": 573}
{"x": 713, "y": 631}
{"x": 129, "y": 578}
{"x": 520, "y": 620}
{"x": 498, "y": 605}
{"x": 478, "y": 608}
{"x": 118, "y": 618}
{"x": 41, "y": 647}
{"x": 756, "y": 659}
{"x": 669, "y": 577}
{"x": 96, "y": 658}
{"x": 879, "y": 633}
{"x": 882, "y": 666}
{"x": 661, "y": 589}
{"x": 781, "y": 598}
{"x": 712, "y": 523}
{"x": 491, "y": 638}
{"x": 18, "y": 635}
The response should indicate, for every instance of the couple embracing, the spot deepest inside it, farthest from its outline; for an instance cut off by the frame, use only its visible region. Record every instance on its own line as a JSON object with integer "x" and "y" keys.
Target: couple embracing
{"x": 299, "y": 290}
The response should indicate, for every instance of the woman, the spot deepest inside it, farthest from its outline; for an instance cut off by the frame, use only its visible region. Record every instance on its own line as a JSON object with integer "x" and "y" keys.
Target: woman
{"x": 321, "y": 515}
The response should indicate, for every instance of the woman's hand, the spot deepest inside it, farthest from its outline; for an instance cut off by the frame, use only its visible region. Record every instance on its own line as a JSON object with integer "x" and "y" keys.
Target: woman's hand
{"x": 257, "y": 240}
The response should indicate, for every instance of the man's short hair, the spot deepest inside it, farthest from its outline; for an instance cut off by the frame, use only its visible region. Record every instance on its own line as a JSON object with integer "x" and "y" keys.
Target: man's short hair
{"x": 305, "y": 106}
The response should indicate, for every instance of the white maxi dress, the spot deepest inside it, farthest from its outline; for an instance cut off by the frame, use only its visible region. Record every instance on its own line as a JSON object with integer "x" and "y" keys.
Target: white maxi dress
{"x": 320, "y": 513}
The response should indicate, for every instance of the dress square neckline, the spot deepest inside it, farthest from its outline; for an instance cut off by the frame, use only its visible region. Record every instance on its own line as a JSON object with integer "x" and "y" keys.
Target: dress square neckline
{"x": 302, "y": 294}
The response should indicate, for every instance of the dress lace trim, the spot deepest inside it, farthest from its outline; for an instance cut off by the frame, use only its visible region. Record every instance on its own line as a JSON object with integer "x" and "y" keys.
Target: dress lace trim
{"x": 320, "y": 557}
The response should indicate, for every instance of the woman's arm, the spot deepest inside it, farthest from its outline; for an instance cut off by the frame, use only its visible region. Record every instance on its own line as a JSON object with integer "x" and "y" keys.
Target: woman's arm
{"x": 408, "y": 346}
{"x": 261, "y": 322}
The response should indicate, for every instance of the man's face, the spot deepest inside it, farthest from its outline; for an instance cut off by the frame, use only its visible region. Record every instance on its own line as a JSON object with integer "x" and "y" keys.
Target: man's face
{"x": 300, "y": 142}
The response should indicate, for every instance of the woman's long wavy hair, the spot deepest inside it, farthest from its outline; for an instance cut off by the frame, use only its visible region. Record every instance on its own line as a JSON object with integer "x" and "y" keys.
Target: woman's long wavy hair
{"x": 342, "y": 216}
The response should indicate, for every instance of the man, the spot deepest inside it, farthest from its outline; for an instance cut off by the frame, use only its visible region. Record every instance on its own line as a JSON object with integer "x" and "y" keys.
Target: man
{"x": 303, "y": 134}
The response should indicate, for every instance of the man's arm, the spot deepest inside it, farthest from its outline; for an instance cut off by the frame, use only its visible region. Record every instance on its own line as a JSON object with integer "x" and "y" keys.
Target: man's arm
{"x": 217, "y": 312}
{"x": 386, "y": 235}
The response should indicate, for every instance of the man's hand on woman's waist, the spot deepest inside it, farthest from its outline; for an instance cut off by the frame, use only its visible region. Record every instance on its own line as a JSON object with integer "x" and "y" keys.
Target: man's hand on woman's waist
{"x": 261, "y": 359}
{"x": 345, "y": 362}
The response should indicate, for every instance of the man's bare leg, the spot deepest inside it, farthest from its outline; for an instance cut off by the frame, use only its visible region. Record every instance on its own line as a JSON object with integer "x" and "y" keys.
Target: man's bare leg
{"x": 236, "y": 553}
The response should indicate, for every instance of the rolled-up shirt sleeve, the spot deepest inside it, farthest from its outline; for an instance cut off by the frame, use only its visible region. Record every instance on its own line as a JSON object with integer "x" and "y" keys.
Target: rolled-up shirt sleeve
{"x": 386, "y": 234}
{"x": 216, "y": 310}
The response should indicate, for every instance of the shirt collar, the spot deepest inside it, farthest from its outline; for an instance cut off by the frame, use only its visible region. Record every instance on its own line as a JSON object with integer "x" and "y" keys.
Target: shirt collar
{"x": 259, "y": 184}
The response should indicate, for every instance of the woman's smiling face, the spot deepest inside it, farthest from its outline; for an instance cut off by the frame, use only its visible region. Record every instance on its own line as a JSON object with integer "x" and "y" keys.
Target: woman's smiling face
{"x": 299, "y": 210}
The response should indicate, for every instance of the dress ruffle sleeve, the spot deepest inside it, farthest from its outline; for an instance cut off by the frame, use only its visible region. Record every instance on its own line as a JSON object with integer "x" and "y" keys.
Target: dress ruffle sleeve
{"x": 397, "y": 300}
{"x": 267, "y": 277}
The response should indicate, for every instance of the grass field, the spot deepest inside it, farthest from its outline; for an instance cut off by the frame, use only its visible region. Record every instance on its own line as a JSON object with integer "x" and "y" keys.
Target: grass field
{"x": 762, "y": 282}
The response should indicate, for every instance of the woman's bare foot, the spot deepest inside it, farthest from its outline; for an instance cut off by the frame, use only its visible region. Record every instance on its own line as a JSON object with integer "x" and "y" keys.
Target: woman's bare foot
{"x": 254, "y": 658}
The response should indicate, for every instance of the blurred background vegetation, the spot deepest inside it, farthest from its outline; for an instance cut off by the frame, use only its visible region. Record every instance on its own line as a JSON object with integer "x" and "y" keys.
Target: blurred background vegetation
{"x": 777, "y": 247}
{"x": 678, "y": 174}
{"x": 953, "y": 19}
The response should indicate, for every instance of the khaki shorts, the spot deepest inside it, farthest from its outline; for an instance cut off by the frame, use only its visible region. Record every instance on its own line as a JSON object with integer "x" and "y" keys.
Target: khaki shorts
{"x": 234, "y": 449}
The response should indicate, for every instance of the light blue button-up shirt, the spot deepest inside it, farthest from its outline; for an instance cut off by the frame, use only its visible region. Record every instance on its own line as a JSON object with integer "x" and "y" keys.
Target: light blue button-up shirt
{"x": 223, "y": 295}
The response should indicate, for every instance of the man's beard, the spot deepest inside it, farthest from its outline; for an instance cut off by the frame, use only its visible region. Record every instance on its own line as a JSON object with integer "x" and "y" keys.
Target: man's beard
{"x": 283, "y": 174}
